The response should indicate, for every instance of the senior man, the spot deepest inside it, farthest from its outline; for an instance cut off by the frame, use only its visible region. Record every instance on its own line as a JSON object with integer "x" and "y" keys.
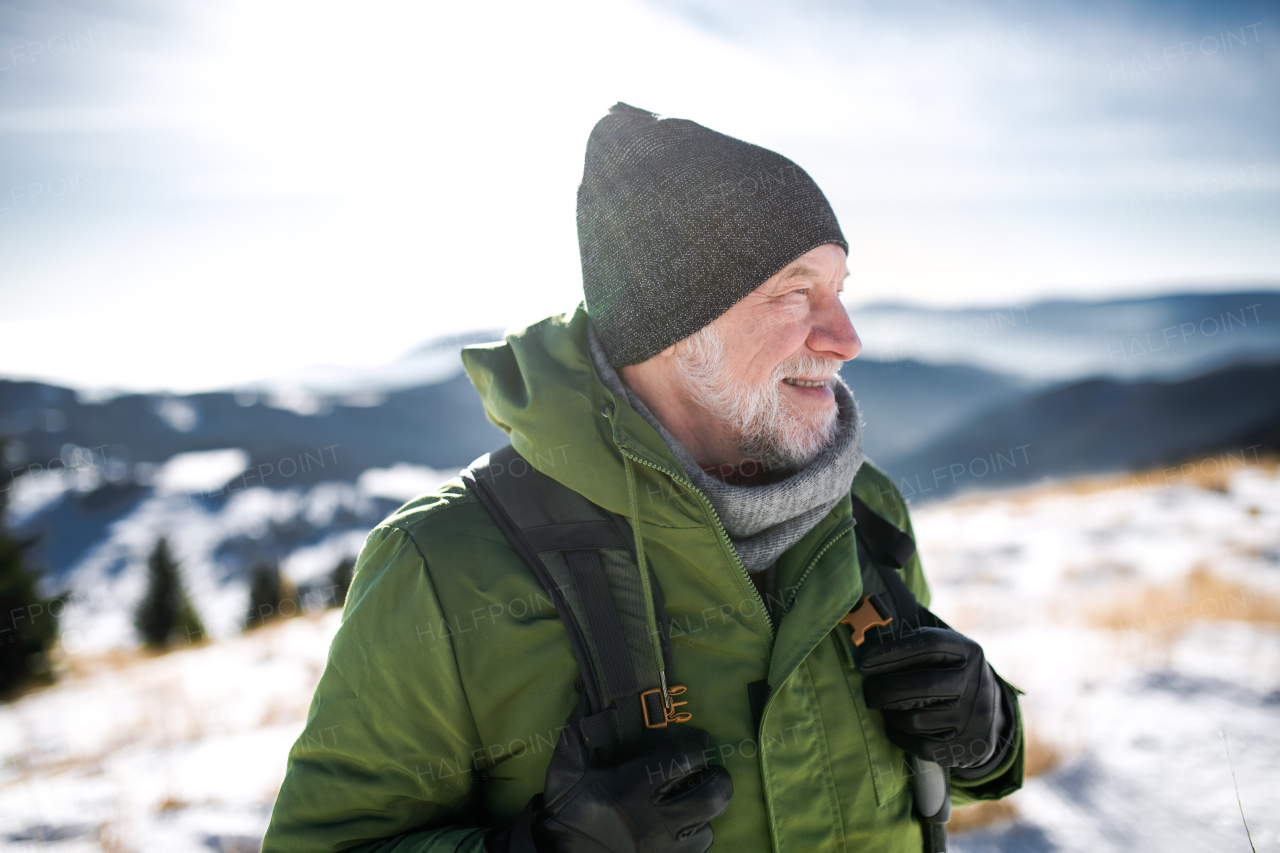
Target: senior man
{"x": 633, "y": 630}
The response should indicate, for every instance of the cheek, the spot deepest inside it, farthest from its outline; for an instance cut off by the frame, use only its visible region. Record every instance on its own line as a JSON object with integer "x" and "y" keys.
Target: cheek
{"x": 756, "y": 342}
{"x": 784, "y": 342}
{"x": 787, "y": 340}
{"x": 780, "y": 328}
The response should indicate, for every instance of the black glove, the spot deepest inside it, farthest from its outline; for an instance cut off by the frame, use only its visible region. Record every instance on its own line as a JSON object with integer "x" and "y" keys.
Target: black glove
{"x": 940, "y": 699}
{"x": 659, "y": 802}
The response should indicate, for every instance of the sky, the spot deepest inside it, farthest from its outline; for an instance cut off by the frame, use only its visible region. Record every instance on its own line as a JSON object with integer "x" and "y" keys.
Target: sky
{"x": 198, "y": 195}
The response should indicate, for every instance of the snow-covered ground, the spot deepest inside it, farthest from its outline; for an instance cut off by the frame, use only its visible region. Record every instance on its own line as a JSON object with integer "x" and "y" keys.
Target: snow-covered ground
{"x": 181, "y": 752}
{"x": 1140, "y": 616}
{"x": 217, "y": 527}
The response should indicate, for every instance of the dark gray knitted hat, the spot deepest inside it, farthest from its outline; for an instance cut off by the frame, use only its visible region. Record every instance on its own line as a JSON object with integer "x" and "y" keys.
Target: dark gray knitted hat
{"x": 677, "y": 222}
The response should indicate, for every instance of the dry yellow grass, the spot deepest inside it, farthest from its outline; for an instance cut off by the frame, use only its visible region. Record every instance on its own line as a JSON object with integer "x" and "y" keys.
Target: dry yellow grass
{"x": 979, "y": 815}
{"x": 109, "y": 661}
{"x": 171, "y": 804}
{"x": 1166, "y": 610}
{"x": 1206, "y": 472}
{"x": 282, "y": 711}
{"x": 111, "y": 838}
{"x": 1041, "y": 756}
{"x": 81, "y": 664}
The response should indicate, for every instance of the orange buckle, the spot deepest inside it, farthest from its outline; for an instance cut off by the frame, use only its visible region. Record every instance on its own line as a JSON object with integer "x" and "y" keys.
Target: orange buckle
{"x": 861, "y": 618}
{"x": 670, "y": 715}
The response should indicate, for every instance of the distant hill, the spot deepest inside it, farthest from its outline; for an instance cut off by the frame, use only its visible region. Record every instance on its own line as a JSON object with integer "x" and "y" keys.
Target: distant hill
{"x": 1099, "y": 426}
{"x": 908, "y": 404}
{"x": 441, "y": 425}
{"x": 1169, "y": 337}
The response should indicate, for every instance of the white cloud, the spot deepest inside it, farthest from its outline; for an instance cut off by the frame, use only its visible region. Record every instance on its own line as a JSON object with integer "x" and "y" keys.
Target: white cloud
{"x": 305, "y": 185}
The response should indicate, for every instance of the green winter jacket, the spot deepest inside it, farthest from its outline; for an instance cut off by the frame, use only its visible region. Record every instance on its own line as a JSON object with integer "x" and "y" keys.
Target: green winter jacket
{"x": 451, "y": 676}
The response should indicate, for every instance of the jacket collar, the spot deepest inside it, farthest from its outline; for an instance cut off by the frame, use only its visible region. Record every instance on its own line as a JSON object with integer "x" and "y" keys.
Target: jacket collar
{"x": 540, "y": 387}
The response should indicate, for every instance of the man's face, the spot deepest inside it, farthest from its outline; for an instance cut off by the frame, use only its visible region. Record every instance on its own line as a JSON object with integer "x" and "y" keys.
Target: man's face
{"x": 763, "y": 370}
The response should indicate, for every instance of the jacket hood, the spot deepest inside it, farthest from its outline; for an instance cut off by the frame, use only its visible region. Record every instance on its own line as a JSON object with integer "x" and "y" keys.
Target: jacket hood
{"x": 540, "y": 387}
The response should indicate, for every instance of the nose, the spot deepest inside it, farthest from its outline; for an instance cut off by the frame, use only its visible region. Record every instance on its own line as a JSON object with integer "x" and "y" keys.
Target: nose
{"x": 832, "y": 334}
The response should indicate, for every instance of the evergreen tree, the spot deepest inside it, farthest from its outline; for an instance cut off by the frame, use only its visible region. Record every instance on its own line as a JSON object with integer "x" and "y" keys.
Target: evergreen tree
{"x": 270, "y": 596}
{"x": 28, "y": 622}
{"x": 341, "y": 580}
{"x": 166, "y": 614}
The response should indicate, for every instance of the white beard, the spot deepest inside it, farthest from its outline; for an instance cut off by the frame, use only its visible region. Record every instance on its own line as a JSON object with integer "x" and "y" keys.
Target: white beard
{"x": 767, "y": 427}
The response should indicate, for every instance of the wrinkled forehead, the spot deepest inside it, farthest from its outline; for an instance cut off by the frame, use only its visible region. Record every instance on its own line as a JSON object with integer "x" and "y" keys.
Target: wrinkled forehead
{"x": 818, "y": 266}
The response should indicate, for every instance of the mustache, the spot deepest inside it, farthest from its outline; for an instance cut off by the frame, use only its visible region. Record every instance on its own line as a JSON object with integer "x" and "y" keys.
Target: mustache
{"x": 807, "y": 365}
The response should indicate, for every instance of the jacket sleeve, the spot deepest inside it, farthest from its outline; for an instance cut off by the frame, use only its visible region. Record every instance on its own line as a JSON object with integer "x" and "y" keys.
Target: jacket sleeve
{"x": 1006, "y": 777}
{"x": 385, "y": 762}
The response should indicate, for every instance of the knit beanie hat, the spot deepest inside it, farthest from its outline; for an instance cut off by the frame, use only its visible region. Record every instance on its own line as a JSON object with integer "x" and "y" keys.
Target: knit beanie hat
{"x": 677, "y": 222}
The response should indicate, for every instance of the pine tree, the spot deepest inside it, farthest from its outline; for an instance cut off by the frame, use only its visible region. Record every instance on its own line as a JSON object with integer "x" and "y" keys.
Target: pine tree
{"x": 341, "y": 580}
{"x": 166, "y": 615}
{"x": 29, "y": 621}
{"x": 270, "y": 596}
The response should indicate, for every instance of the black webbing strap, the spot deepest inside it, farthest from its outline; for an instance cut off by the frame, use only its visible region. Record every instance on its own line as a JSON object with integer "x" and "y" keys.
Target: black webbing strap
{"x": 887, "y": 544}
{"x": 601, "y": 731}
{"x": 569, "y": 537}
{"x": 522, "y": 547}
{"x": 581, "y": 542}
{"x": 913, "y": 614}
{"x": 888, "y": 549}
{"x": 610, "y": 643}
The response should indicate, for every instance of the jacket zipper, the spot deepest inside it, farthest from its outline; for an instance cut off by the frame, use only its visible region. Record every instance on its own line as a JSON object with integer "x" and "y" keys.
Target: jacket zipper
{"x": 826, "y": 546}
{"x": 719, "y": 525}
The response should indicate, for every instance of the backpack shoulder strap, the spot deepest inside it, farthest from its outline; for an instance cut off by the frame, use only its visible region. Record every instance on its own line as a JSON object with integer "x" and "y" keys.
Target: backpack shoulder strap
{"x": 883, "y": 550}
{"x": 886, "y": 549}
{"x": 581, "y": 557}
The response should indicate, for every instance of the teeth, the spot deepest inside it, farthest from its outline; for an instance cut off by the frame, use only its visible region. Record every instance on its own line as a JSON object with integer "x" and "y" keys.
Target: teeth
{"x": 801, "y": 383}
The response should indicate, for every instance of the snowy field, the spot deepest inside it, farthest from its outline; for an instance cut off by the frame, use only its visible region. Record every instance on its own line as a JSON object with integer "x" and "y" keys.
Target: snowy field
{"x": 1142, "y": 617}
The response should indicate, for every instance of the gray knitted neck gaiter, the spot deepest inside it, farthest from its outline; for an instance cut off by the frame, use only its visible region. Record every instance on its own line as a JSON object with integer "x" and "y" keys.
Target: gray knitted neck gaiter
{"x": 763, "y": 520}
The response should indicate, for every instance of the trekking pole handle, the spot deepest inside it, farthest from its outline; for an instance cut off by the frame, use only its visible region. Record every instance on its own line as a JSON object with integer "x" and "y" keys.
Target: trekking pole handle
{"x": 933, "y": 801}
{"x": 932, "y": 797}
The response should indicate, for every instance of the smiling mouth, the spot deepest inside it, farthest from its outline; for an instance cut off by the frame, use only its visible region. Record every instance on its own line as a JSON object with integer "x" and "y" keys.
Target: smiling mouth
{"x": 807, "y": 383}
